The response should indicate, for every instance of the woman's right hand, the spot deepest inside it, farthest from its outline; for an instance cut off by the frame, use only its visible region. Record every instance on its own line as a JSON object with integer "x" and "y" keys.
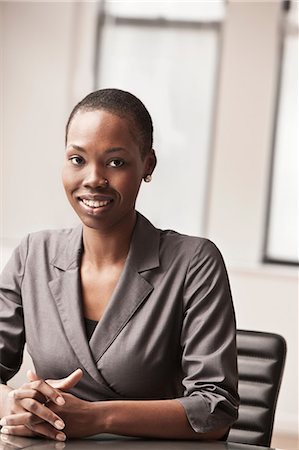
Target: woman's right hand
{"x": 30, "y": 401}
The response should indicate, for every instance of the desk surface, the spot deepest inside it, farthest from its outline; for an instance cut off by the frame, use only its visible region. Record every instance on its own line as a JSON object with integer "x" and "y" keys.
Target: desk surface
{"x": 107, "y": 442}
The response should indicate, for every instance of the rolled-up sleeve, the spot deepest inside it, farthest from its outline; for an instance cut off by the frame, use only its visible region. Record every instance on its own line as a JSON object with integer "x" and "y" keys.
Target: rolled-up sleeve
{"x": 208, "y": 339}
{"x": 12, "y": 335}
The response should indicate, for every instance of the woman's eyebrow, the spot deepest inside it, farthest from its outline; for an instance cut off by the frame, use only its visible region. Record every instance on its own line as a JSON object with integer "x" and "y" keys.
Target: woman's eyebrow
{"x": 76, "y": 147}
{"x": 109, "y": 150}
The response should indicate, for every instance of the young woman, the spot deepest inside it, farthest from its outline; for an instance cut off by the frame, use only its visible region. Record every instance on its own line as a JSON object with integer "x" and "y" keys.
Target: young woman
{"x": 144, "y": 315}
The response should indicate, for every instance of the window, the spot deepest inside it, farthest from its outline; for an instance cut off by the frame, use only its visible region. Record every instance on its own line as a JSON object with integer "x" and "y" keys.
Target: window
{"x": 167, "y": 54}
{"x": 283, "y": 226}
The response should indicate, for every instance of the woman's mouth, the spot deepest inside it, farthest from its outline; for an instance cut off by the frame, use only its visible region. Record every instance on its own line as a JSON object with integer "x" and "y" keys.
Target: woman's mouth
{"x": 95, "y": 203}
{"x": 95, "y": 206}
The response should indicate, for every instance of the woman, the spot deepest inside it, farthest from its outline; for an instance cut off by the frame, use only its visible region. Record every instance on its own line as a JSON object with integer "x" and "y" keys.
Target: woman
{"x": 146, "y": 315}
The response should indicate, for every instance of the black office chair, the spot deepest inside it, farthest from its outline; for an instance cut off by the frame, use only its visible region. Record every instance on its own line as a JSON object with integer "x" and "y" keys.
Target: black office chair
{"x": 261, "y": 358}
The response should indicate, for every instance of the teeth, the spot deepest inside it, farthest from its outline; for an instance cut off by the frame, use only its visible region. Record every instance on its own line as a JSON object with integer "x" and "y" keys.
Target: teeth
{"x": 95, "y": 203}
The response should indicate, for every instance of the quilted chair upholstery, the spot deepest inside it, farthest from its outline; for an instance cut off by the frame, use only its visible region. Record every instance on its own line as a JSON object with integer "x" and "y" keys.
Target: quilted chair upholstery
{"x": 261, "y": 358}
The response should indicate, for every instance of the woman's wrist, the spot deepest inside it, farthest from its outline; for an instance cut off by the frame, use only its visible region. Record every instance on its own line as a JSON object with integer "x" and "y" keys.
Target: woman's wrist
{"x": 98, "y": 417}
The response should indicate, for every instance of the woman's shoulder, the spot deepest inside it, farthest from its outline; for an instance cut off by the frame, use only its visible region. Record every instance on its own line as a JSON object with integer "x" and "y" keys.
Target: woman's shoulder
{"x": 180, "y": 243}
{"x": 187, "y": 243}
{"x": 59, "y": 234}
{"x": 40, "y": 248}
{"x": 52, "y": 241}
{"x": 186, "y": 239}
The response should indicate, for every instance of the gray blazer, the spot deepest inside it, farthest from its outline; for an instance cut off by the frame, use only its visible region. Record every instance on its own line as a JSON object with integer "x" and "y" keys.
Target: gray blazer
{"x": 168, "y": 331}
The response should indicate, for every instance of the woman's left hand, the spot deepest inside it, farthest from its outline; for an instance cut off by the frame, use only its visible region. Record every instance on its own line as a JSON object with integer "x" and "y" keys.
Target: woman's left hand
{"x": 15, "y": 424}
{"x": 75, "y": 413}
{"x": 78, "y": 416}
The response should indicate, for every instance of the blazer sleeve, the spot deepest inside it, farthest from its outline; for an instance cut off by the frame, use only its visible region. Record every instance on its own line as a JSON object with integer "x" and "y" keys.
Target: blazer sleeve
{"x": 12, "y": 333}
{"x": 208, "y": 339}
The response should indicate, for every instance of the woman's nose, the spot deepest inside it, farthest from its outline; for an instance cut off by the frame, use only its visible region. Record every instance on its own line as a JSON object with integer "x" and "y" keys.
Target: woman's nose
{"x": 95, "y": 178}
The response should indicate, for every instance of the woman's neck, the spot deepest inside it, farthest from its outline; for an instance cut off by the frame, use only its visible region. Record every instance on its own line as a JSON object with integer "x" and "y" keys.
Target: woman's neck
{"x": 107, "y": 247}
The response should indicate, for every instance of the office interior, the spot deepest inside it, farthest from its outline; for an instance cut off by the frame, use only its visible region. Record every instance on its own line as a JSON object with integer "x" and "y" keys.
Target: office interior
{"x": 220, "y": 79}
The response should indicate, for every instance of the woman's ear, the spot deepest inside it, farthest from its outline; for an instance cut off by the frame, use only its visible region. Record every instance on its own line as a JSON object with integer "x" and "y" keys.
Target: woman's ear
{"x": 151, "y": 162}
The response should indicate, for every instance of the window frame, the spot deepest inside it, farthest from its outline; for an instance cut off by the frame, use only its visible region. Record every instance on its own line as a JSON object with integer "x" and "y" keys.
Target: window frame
{"x": 266, "y": 258}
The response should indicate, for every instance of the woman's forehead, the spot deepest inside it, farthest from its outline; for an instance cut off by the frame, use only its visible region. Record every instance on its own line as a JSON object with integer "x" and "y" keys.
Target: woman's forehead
{"x": 101, "y": 125}
{"x": 98, "y": 121}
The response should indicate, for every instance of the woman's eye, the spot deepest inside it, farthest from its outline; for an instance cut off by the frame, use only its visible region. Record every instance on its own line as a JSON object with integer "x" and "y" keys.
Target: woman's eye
{"x": 116, "y": 163}
{"x": 76, "y": 160}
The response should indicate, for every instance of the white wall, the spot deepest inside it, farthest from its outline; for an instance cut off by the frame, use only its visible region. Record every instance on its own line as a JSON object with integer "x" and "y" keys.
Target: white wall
{"x": 36, "y": 49}
{"x": 46, "y": 63}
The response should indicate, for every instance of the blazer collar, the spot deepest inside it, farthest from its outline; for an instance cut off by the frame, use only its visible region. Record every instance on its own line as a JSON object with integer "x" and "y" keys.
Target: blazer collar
{"x": 68, "y": 256}
{"x": 144, "y": 250}
{"x": 143, "y": 254}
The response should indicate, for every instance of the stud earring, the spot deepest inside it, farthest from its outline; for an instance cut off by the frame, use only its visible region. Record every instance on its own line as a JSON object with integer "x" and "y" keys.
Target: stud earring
{"x": 148, "y": 178}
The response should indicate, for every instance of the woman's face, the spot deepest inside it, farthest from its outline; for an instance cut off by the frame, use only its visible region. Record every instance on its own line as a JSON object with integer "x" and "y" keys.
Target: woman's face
{"x": 103, "y": 168}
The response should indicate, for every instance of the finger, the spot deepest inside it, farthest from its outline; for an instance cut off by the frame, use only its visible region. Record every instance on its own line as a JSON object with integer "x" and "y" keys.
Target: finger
{"x": 21, "y": 439}
{"x": 38, "y": 429}
{"x": 17, "y": 431}
{"x": 19, "y": 420}
{"x": 36, "y": 415}
{"x": 45, "y": 389}
{"x": 49, "y": 432}
{"x": 32, "y": 376}
{"x": 19, "y": 394}
{"x": 68, "y": 382}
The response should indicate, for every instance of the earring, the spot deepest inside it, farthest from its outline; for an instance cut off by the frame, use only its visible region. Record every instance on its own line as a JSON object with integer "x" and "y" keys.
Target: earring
{"x": 148, "y": 178}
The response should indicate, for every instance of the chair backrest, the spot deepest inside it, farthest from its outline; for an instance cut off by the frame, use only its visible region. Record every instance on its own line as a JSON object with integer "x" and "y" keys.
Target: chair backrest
{"x": 261, "y": 358}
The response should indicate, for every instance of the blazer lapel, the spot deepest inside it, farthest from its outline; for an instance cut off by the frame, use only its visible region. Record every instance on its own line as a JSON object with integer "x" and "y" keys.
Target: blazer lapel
{"x": 66, "y": 292}
{"x": 132, "y": 288}
{"x": 129, "y": 294}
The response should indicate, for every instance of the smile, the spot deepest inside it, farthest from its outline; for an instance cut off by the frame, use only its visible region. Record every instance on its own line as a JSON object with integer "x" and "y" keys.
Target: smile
{"x": 95, "y": 203}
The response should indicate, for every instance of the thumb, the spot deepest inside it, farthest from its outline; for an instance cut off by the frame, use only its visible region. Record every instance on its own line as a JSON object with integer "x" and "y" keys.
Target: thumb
{"x": 31, "y": 376}
{"x": 67, "y": 382}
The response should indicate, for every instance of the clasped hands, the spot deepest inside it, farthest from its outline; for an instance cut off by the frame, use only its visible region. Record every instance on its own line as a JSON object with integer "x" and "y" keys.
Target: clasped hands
{"x": 39, "y": 407}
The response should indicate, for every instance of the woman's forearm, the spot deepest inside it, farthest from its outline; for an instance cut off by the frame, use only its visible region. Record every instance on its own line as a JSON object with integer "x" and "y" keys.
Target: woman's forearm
{"x": 164, "y": 419}
{"x": 155, "y": 419}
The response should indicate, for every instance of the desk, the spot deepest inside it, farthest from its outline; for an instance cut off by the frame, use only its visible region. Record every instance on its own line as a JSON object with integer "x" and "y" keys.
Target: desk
{"x": 107, "y": 442}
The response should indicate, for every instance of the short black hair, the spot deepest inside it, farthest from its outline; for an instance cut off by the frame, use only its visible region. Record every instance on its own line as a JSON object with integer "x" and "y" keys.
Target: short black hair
{"x": 123, "y": 104}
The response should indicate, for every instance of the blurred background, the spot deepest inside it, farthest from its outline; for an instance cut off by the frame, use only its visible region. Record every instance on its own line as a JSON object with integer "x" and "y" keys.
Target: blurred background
{"x": 220, "y": 79}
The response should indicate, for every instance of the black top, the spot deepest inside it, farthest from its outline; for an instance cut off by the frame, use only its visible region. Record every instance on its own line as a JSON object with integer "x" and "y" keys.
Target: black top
{"x": 90, "y": 326}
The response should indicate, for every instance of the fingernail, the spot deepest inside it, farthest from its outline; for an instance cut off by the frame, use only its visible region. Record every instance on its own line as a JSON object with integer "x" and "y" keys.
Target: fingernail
{"x": 60, "y": 437}
{"x": 4, "y": 430}
{"x": 4, "y": 438}
{"x": 59, "y": 425}
{"x": 3, "y": 422}
{"x": 60, "y": 401}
